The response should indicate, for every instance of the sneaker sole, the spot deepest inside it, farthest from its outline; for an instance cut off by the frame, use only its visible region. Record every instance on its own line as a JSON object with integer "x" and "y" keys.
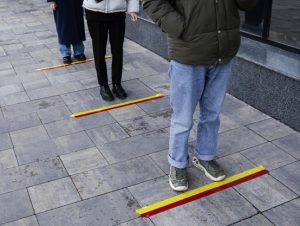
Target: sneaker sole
{"x": 180, "y": 188}
{"x": 207, "y": 174}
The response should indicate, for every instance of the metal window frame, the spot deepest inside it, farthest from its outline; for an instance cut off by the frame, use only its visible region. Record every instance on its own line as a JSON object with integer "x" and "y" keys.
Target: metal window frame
{"x": 264, "y": 37}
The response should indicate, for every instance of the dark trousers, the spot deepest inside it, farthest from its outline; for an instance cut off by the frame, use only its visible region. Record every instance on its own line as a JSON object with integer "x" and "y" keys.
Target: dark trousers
{"x": 99, "y": 31}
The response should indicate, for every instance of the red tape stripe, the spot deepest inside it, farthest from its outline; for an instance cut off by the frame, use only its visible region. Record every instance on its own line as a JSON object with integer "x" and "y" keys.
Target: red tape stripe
{"x": 95, "y": 112}
{"x": 204, "y": 194}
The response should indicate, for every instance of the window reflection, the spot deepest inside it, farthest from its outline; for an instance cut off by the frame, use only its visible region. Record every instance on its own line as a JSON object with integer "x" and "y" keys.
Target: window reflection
{"x": 285, "y": 22}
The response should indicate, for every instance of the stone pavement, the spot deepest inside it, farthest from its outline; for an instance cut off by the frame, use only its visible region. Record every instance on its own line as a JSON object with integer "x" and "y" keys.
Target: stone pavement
{"x": 97, "y": 170}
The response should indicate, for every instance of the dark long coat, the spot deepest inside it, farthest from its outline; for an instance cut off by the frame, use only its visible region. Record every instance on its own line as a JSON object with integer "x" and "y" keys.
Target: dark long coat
{"x": 69, "y": 21}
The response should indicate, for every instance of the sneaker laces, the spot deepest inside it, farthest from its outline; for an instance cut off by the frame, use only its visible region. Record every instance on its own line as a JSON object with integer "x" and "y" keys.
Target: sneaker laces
{"x": 213, "y": 165}
{"x": 180, "y": 173}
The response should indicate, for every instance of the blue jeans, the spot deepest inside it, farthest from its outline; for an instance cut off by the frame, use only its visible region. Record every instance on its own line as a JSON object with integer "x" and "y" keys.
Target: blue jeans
{"x": 191, "y": 85}
{"x": 65, "y": 50}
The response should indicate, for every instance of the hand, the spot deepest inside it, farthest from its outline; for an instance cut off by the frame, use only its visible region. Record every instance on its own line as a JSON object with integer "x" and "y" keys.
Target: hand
{"x": 133, "y": 17}
{"x": 53, "y": 5}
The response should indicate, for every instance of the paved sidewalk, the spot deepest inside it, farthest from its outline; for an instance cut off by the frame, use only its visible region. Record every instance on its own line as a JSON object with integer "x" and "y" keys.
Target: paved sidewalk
{"x": 97, "y": 170}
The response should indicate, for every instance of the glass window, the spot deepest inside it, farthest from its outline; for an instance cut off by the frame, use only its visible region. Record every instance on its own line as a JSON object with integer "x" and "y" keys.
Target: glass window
{"x": 285, "y": 22}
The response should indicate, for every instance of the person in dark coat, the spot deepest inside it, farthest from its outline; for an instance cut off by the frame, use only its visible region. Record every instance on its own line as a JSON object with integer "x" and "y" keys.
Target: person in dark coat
{"x": 203, "y": 37}
{"x": 68, "y": 16}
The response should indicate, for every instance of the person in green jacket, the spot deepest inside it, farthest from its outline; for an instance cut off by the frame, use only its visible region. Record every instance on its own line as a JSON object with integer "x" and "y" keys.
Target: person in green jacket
{"x": 203, "y": 37}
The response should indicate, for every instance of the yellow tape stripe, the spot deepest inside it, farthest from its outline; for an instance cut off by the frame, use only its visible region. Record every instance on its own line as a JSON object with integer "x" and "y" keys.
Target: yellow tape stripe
{"x": 198, "y": 190}
{"x": 67, "y": 65}
{"x": 106, "y": 108}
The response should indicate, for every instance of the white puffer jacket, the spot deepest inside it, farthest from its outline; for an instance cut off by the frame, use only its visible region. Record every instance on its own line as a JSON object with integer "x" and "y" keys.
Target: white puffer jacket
{"x": 111, "y": 6}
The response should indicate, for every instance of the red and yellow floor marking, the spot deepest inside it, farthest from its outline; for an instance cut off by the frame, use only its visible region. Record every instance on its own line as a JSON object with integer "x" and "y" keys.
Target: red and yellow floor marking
{"x": 201, "y": 192}
{"x": 67, "y": 65}
{"x": 106, "y": 108}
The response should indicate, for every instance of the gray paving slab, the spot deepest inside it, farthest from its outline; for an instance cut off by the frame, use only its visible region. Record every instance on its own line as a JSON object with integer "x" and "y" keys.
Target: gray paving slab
{"x": 136, "y": 89}
{"x": 54, "y": 114}
{"x": 138, "y": 72}
{"x": 2, "y": 52}
{"x": 9, "y": 89}
{"x": 31, "y": 107}
{"x": 53, "y": 194}
{"x": 37, "y": 151}
{"x": 7, "y": 72}
{"x": 106, "y": 134}
{"x": 231, "y": 103}
{"x": 135, "y": 146}
{"x": 138, "y": 222}
{"x": 271, "y": 129}
{"x": 14, "y": 205}
{"x": 115, "y": 177}
{"x": 7, "y": 159}
{"x": 145, "y": 124}
{"x": 54, "y": 90}
{"x": 14, "y": 98}
{"x": 258, "y": 219}
{"x": 19, "y": 123}
{"x": 30, "y": 75}
{"x": 219, "y": 209}
{"x": 73, "y": 142}
{"x": 290, "y": 144}
{"x": 5, "y": 66}
{"x": 29, "y": 135}
{"x": 74, "y": 125}
{"x": 71, "y": 77}
{"x": 159, "y": 83}
{"x": 289, "y": 176}
{"x": 161, "y": 159}
{"x": 126, "y": 113}
{"x": 60, "y": 71}
{"x": 28, "y": 221}
{"x": 32, "y": 174}
{"x": 110, "y": 209}
{"x": 5, "y": 142}
{"x": 9, "y": 80}
{"x": 154, "y": 106}
{"x": 36, "y": 84}
{"x": 237, "y": 140}
{"x": 82, "y": 161}
{"x": 227, "y": 124}
{"x": 265, "y": 192}
{"x": 245, "y": 115}
{"x": 79, "y": 96}
{"x": 87, "y": 105}
{"x": 268, "y": 155}
{"x": 45, "y": 149}
{"x": 222, "y": 208}
{"x": 235, "y": 163}
{"x": 286, "y": 214}
{"x": 90, "y": 82}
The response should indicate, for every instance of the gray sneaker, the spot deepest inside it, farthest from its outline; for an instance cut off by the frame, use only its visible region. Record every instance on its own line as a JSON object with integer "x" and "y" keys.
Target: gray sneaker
{"x": 211, "y": 169}
{"x": 178, "y": 179}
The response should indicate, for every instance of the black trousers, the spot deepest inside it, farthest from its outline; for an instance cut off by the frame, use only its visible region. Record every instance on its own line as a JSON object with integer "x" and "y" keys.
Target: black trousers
{"x": 99, "y": 31}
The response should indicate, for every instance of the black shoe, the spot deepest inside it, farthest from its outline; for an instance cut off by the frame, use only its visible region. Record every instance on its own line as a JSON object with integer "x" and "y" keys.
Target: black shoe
{"x": 119, "y": 91}
{"x": 67, "y": 60}
{"x": 80, "y": 57}
{"x": 106, "y": 93}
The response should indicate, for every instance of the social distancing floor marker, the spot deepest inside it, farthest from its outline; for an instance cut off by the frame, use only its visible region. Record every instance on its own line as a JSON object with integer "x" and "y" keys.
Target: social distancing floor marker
{"x": 119, "y": 105}
{"x": 73, "y": 63}
{"x": 201, "y": 192}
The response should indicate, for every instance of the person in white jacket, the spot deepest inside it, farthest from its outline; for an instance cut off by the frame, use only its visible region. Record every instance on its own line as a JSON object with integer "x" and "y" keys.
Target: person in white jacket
{"x": 106, "y": 18}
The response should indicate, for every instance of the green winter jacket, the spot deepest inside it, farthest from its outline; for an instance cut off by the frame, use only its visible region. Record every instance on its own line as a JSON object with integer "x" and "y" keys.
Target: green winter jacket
{"x": 200, "y": 32}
